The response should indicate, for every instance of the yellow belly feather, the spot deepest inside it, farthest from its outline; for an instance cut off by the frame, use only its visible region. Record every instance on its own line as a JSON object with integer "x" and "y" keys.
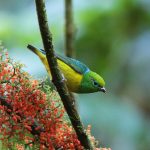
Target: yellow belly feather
{"x": 73, "y": 78}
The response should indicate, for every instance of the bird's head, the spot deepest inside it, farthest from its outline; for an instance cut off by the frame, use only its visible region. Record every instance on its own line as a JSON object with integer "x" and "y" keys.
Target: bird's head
{"x": 92, "y": 82}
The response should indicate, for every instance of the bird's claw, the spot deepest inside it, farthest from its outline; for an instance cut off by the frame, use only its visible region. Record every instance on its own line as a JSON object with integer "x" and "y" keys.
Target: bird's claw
{"x": 63, "y": 78}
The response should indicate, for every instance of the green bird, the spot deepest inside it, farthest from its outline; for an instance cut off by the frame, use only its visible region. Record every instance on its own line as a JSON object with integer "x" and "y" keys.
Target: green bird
{"x": 79, "y": 78}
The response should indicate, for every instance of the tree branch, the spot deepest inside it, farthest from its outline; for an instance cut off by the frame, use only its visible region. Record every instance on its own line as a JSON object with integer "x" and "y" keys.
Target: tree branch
{"x": 57, "y": 78}
{"x": 69, "y": 29}
{"x": 69, "y": 34}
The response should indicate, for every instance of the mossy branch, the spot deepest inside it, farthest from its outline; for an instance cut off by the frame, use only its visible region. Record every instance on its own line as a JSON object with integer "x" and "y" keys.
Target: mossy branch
{"x": 57, "y": 78}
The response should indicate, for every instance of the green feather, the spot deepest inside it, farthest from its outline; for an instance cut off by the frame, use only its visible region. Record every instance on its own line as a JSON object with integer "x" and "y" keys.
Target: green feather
{"x": 91, "y": 82}
{"x": 74, "y": 64}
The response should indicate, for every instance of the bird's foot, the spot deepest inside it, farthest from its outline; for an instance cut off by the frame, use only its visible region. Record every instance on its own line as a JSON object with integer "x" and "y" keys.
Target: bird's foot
{"x": 63, "y": 78}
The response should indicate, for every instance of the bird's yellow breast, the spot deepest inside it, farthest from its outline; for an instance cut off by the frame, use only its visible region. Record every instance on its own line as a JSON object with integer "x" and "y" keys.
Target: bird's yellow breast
{"x": 73, "y": 78}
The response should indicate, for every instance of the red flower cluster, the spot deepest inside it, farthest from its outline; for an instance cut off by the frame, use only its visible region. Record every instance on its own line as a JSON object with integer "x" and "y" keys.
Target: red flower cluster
{"x": 29, "y": 116}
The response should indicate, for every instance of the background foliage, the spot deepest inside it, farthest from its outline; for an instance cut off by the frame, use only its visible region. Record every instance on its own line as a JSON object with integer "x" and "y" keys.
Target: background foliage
{"x": 112, "y": 38}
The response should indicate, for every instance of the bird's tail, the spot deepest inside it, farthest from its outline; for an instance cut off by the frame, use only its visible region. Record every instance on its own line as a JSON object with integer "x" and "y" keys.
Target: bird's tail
{"x": 41, "y": 54}
{"x": 36, "y": 51}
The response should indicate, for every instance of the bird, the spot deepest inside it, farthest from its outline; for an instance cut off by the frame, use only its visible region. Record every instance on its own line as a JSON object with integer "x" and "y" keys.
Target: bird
{"x": 79, "y": 78}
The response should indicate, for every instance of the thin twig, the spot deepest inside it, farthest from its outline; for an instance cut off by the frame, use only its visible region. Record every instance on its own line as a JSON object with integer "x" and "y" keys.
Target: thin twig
{"x": 69, "y": 34}
{"x": 69, "y": 29}
{"x": 56, "y": 75}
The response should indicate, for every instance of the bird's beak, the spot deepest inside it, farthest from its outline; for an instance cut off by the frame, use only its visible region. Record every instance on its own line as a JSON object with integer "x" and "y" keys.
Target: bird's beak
{"x": 103, "y": 90}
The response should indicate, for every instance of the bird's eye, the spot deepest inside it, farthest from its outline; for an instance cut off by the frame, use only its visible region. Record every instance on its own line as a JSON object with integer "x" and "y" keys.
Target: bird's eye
{"x": 95, "y": 83}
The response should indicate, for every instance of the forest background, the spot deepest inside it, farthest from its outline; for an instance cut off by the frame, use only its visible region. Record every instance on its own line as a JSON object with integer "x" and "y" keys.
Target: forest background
{"x": 112, "y": 37}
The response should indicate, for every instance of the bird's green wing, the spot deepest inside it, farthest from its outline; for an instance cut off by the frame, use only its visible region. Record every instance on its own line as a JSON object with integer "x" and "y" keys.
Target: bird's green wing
{"x": 73, "y": 63}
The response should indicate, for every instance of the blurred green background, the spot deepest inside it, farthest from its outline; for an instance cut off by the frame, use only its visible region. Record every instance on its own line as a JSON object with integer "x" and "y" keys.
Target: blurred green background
{"x": 112, "y": 38}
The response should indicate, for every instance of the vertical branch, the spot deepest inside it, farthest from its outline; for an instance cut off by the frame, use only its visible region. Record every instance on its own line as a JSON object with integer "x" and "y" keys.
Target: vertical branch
{"x": 69, "y": 34}
{"x": 69, "y": 29}
{"x": 57, "y": 78}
